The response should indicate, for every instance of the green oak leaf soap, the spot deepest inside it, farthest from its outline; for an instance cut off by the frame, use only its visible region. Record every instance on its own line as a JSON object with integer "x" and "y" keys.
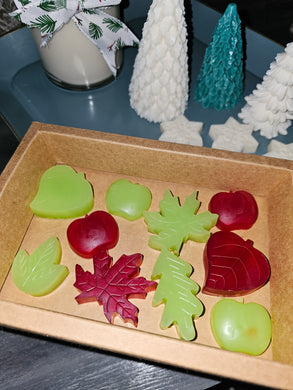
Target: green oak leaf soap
{"x": 63, "y": 193}
{"x": 40, "y": 273}
{"x": 128, "y": 200}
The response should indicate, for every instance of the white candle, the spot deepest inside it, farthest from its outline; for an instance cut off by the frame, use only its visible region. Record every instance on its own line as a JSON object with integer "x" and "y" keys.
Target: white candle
{"x": 72, "y": 60}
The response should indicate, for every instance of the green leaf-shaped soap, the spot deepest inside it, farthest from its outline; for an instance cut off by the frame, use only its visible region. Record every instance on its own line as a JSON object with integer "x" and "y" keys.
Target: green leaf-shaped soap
{"x": 178, "y": 292}
{"x": 176, "y": 224}
{"x": 63, "y": 193}
{"x": 39, "y": 273}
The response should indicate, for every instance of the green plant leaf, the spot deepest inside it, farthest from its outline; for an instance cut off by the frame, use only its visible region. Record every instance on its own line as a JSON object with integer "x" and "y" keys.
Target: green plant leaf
{"x": 24, "y": 2}
{"x": 45, "y": 23}
{"x": 40, "y": 273}
{"x": 95, "y": 31}
{"x": 89, "y": 11}
{"x": 48, "y": 5}
{"x": 113, "y": 25}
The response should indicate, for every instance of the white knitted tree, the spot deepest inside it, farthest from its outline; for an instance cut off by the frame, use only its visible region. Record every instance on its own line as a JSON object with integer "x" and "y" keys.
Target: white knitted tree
{"x": 159, "y": 86}
{"x": 269, "y": 107}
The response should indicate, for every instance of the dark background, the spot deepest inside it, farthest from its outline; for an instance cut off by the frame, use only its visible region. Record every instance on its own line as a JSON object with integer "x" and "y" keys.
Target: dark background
{"x": 271, "y": 18}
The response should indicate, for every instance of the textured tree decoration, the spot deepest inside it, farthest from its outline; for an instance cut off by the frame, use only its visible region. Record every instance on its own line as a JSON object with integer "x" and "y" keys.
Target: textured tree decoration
{"x": 220, "y": 81}
{"x": 176, "y": 224}
{"x": 112, "y": 285}
{"x": 178, "y": 292}
{"x": 159, "y": 85}
{"x": 269, "y": 107}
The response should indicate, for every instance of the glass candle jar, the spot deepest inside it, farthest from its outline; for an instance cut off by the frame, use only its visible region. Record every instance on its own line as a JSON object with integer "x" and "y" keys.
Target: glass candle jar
{"x": 72, "y": 61}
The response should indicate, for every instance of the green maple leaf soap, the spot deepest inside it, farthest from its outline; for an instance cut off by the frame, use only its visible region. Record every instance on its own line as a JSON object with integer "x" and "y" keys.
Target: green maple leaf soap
{"x": 40, "y": 273}
{"x": 176, "y": 224}
{"x": 178, "y": 292}
{"x": 63, "y": 193}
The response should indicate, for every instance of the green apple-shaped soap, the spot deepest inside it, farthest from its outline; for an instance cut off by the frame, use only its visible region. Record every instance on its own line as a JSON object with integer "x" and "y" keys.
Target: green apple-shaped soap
{"x": 63, "y": 193}
{"x": 241, "y": 327}
{"x": 40, "y": 273}
{"x": 128, "y": 200}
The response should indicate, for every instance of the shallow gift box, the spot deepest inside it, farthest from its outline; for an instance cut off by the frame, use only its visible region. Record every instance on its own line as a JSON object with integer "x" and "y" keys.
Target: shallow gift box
{"x": 182, "y": 169}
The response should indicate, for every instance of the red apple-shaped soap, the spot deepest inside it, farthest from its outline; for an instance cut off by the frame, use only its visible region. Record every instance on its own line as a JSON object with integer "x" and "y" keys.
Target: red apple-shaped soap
{"x": 86, "y": 236}
{"x": 236, "y": 210}
{"x": 233, "y": 266}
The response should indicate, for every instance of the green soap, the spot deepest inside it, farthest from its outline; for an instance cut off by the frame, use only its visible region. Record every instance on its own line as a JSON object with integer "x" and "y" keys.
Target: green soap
{"x": 178, "y": 292}
{"x": 176, "y": 224}
{"x": 63, "y": 193}
{"x": 241, "y": 327}
{"x": 128, "y": 200}
{"x": 40, "y": 273}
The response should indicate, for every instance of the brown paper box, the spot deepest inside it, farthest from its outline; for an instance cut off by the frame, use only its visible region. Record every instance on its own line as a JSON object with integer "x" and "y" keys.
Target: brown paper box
{"x": 104, "y": 157}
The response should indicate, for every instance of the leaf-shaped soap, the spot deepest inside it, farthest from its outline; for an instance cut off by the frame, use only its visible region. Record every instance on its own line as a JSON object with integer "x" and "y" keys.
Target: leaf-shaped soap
{"x": 63, "y": 193}
{"x": 178, "y": 292}
{"x": 233, "y": 266}
{"x": 40, "y": 273}
{"x": 176, "y": 224}
{"x": 112, "y": 286}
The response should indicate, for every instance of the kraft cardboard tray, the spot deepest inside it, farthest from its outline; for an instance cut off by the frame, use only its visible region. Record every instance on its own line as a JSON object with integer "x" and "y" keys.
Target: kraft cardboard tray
{"x": 104, "y": 157}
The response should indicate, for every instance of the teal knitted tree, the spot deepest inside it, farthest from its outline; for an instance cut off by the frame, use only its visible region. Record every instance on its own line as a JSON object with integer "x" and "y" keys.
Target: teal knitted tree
{"x": 220, "y": 81}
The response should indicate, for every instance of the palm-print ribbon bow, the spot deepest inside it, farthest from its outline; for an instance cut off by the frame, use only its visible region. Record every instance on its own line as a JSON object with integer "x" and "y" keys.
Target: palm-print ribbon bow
{"x": 107, "y": 32}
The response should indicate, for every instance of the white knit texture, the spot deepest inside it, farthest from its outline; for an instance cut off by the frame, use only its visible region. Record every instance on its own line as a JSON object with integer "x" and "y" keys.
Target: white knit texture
{"x": 159, "y": 86}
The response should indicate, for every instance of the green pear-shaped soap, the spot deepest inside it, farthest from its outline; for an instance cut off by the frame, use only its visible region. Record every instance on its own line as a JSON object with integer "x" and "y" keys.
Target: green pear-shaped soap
{"x": 63, "y": 193}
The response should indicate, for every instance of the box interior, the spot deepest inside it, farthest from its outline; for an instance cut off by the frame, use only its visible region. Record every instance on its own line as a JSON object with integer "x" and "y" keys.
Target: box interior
{"x": 160, "y": 166}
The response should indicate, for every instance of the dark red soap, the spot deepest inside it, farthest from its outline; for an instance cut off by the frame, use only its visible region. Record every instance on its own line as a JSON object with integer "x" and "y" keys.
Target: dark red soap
{"x": 113, "y": 285}
{"x": 87, "y": 235}
{"x": 236, "y": 210}
{"x": 233, "y": 266}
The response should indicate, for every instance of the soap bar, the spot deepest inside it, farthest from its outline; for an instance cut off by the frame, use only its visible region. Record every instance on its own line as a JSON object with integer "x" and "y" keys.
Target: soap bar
{"x": 233, "y": 136}
{"x": 40, "y": 273}
{"x": 178, "y": 293}
{"x": 233, "y": 266}
{"x": 176, "y": 224}
{"x": 241, "y": 327}
{"x": 236, "y": 210}
{"x": 113, "y": 285}
{"x": 63, "y": 193}
{"x": 128, "y": 200}
{"x": 87, "y": 235}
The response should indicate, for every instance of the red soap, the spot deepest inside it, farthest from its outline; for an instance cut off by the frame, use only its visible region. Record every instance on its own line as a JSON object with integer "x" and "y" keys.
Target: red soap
{"x": 236, "y": 210}
{"x": 112, "y": 285}
{"x": 233, "y": 266}
{"x": 87, "y": 235}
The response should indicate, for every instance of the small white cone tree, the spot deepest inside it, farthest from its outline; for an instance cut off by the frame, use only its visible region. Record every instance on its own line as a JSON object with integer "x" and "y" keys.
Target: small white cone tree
{"x": 269, "y": 107}
{"x": 159, "y": 85}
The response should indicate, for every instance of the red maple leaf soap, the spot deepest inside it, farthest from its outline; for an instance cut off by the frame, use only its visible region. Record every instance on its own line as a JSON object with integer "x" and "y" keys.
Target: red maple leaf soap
{"x": 233, "y": 266}
{"x": 86, "y": 236}
{"x": 112, "y": 285}
{"x": 236, "y": 210}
